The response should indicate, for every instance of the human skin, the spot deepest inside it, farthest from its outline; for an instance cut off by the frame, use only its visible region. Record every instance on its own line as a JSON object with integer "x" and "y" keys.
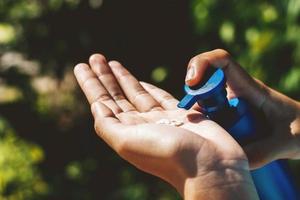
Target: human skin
{"x": 282, "y": 112}
{"x": 199, "y": 158}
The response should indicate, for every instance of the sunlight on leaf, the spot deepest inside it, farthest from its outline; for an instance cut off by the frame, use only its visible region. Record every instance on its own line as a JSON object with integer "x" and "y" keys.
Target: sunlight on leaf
{"x": 36, "y": 154}
{"x": 44, "y": 85}
{"x": 55, "y": 95}
{"x": 19, "y": 176}
{"x": 26, "y": 9}
{"x": 55, "y": 4}
{"x": 293, "y": 10}
{"x": 7, "y": 33}
{"x": 159, "y": 74}
{"x": 251, "y": 35}
{"x": 13, "y": 59}
{"x": 293, "y": 32}
{"x": 261, "y": 42}
{"x": 291, "y": 81}
{"x": 95, "y": 4}
{"x": 201, "y": 13}
{"x": 73, "y": 171}
{"x": 269, "y": 13}
{"x": 227, "y": 32}
{"x": 10, "y": 94}
{"x": 72, "y": 3}
{"x": 134, "y": 192}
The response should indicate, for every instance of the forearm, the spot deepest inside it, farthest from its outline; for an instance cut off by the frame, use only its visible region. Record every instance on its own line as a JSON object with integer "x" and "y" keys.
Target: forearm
{"x": 228, "y": 184}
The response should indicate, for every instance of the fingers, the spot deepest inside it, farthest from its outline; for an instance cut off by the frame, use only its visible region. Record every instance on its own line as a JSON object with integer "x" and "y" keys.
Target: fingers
{"x": 238, "y": 79}
{"x": 134, "y": 91}
{"x": 100, "y": 67}
{"x": 166, "y": 100}
{"x": 92, "y": 88}
{"x": 107, "y": 126}
{"x": 107, "y": 83}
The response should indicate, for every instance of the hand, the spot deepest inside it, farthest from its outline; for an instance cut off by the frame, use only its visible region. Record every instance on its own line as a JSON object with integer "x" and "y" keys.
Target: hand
{"x": 283, "y": 113}
{"x": 199, "y": 158}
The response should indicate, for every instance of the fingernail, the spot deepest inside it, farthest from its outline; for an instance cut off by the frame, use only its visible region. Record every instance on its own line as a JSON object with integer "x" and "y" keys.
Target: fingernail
{"x": 190, "y": 74}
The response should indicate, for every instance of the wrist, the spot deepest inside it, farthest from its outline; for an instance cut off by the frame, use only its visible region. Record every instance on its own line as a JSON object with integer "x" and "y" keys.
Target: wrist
{"x": 225, "y": 182}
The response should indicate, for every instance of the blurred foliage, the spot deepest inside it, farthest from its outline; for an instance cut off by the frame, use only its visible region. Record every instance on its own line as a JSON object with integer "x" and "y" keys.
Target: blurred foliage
{"x": 50, "y": 151}
{"x": 262, "y": 35}
{"x": 19, "y": 174}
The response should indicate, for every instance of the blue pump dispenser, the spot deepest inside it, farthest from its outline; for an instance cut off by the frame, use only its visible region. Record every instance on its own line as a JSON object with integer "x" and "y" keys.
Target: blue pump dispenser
{"x": 273, "y": 182}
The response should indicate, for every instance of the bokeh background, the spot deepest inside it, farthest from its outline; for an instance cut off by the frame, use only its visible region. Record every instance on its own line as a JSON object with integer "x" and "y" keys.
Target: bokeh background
{"x": 48, "y": 149}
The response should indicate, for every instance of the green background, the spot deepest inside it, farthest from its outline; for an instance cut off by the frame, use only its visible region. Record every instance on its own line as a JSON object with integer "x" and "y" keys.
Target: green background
{"x": 48, "y": 149}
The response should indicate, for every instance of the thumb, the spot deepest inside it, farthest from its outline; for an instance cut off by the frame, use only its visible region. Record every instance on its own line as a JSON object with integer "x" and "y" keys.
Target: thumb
{"x": 238, "y": 80}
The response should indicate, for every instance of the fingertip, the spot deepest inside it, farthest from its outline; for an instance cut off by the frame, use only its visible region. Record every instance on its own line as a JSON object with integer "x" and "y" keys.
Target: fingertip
{"x": 80, "y": 67}
{"x": 118, "y": 69}
{"x": 97, "y": 58}
{"x": 114, "y": 63}
{"x": 200, "y": 64}
{"x": 196, "y": 69}
{"x": 146, "y": 85}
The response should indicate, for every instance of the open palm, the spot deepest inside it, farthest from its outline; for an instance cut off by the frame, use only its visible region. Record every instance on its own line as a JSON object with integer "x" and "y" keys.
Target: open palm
{"x": 126, "y": 112}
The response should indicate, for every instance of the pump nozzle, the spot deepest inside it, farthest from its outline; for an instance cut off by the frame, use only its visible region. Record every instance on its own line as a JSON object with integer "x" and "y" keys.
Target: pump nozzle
{"x": 209, "y": 95}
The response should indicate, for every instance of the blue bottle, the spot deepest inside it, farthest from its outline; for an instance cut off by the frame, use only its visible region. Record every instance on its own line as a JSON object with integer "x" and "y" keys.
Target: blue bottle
{"x": 272, "y": 181}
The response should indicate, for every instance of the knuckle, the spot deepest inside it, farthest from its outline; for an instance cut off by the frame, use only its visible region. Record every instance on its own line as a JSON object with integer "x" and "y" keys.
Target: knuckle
{"x": 201, "y": 58}
{"x": 103, "y": 97}
{"x": 223, "y": 53}
{"x": 98, "y": 129}
{"x": 211, "y": 56}
{"x": 117, "y": 96}
{"x": 93, "y": 109}
{"x": 88, "y": 82}
{"x": 139, "y": 94}
{"x": 166, "y": 99}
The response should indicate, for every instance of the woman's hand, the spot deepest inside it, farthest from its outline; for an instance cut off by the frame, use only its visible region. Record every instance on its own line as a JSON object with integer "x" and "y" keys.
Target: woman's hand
{"x": 283, "y": 113}
{"x": 198, "y": 157}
